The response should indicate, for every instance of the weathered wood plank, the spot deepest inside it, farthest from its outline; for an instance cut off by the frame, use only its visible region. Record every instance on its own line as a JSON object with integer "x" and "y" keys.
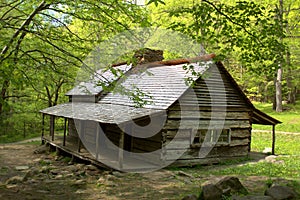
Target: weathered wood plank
{"x": 178, "y": 144}
{"x": 146, "y": 145}
{"x": 240, "y": 133}
{"x": 190, "y": 124}
{"x": 239, "y": 141}
{"x": 204, "y": 161}
{"x": 223, "y": 151}
{"x": 154, "y": 158}
{"x": 180, "y": 134}
{"x": 209, "y": 107}
{"x": 172, "y": 114}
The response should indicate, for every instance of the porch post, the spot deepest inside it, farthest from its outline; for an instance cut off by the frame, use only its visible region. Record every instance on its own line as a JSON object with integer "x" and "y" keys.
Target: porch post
{"x": 121, "y": 149}
{"x": 80, "y": 134}
{"x": 65, "y": 132}
{"x": 43, "y": 128}
{"x": 52, "y": 122}
{"x": 97, "y": 140}
{"x": 273, "y": 139}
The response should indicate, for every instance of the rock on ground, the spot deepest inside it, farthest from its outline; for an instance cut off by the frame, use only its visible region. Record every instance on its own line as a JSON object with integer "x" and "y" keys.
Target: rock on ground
{"x": 211, "y": 192}
{"x": 251, "y": 197}
{"x": 281, "y": 193}
{"x": 190, "y": 197}
{"x": 231, "y": 185}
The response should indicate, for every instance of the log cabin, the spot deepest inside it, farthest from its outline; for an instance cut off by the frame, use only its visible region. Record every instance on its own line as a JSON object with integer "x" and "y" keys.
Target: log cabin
{"x": 181, "y": 113}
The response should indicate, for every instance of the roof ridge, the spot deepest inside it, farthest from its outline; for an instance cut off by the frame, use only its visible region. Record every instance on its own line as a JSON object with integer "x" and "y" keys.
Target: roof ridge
{"x": 177, "y": 61}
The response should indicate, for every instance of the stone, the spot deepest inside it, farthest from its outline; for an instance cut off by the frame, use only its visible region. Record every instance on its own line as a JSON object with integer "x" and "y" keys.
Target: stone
{"x": 80, "y": 191}
{"x": 72, "y": 168}
{"x": 90, "y": 173}
{"x": 55, "y": 171}
{"x": 42, "y": 191}
{"x": 13, "y": 188}
{"x": 278, "y": 192}
{"x": 182, "y": 173}
{"x": 80, "y": 182}
{"x": 117, "y": 174}
{"x": 41, "y": 150}
{"x": 32, "y": 181}
{"x": 111, "y": 178}
{"x": 37, "y": 160}
{"x": 231, "y": 185}
{"x": 80, "y": 166}
{"x": 58, "y": 177}
{"x": 271, "y": 158}
{"x": 14, "y": 180}
{"x": 101, "y": 180}
{"x": 267, "y": 150}
{"x": 44, "y": 169}
{"x": 20, "y": 168}
{"x": 190, "y": 197}
{"x": 252, "y": 197}
{"x": 211, "y": 192}
{"x": 91, "y": 167}
{"x": 69, "y": 175}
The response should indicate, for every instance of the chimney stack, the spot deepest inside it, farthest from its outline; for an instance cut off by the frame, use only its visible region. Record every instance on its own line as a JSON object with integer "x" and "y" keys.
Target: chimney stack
{"x": 147, "y": 55}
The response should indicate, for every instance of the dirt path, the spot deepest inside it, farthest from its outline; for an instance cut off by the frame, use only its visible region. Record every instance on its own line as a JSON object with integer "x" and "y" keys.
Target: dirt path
{"x": 26, "y": 175}
{"x": 281, "y": 132}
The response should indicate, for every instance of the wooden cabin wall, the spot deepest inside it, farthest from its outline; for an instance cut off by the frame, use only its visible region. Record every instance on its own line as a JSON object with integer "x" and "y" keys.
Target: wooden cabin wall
{"x": 136, "y": 144}
{"x": 184, "y": 115}
{"x": 112, "y": 132}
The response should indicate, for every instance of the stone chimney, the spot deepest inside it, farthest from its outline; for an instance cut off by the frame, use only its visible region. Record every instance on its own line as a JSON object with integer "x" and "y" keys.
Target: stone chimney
{"x": 147, "y": 55}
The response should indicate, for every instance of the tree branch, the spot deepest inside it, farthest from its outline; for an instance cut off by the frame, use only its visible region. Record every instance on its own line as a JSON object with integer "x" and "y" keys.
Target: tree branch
{"x": 235, "y": 23}
{"x": 41, "y": 7}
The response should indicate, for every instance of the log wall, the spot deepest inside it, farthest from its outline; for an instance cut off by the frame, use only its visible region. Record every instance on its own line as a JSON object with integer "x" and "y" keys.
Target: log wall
{"x": 218, "y": 105}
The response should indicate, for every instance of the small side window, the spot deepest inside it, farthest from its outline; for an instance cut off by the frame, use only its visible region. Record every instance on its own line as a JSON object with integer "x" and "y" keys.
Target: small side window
{"x": 211, "y": 136}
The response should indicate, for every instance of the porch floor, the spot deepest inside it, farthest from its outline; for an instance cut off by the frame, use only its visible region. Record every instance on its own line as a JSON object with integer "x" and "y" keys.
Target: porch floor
{"x": 107, "y": 159}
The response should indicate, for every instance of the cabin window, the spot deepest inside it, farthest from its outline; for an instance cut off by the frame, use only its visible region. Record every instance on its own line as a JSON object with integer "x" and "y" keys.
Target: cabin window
{"x": 210, "y": 136}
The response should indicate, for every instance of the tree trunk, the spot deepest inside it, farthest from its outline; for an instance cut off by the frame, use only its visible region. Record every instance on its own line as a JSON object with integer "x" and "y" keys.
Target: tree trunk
{"x": 280, "y": 64}
{"x": 279, "y": 90}
{"x": 274, "y": 96}
{"x": 4, "y": 89}
{"x": 291, "y": 89}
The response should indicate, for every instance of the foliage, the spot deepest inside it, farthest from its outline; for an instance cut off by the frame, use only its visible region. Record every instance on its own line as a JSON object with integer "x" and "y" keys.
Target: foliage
{"x": 42, "y": 46}
{"x": 248, "y": 36}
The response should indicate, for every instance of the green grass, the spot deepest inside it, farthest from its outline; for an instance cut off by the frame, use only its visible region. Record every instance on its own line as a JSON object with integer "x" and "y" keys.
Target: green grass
{"x": 289, "y": 168}
{"x": 290, "y": 117}
{"x": 287, "y": 149}
{"x": 288, "y": 152}
{"x": 286, "y": 144}
{"x": 16, "y": 138}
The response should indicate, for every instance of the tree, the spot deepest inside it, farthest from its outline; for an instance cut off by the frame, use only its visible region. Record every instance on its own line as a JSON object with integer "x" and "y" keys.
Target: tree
{"x": 44, "y": 43}
{"x": 56, "y": 34}
{"x": 248, "y": 34}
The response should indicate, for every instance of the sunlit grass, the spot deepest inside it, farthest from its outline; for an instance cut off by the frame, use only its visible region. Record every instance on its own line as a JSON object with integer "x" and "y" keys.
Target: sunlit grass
{"x": 286, "y": 144}
{"x": 290, "y": 117}
{"x": 287, "y": 165}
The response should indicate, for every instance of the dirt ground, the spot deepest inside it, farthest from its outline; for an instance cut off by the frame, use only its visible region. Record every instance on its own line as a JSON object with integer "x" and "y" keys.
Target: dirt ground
{"x": 28, "y": 175}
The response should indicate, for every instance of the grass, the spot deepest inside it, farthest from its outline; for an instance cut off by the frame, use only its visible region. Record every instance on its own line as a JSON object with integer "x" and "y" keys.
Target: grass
{"x": 290, "y": 117}
{"x": 287, "y": 149}
{"x": 16, "y": 138}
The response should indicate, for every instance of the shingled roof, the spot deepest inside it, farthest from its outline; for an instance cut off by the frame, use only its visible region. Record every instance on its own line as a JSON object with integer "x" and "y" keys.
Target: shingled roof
{"x": 91, "y": 86}
{"x": 162, "y": 83}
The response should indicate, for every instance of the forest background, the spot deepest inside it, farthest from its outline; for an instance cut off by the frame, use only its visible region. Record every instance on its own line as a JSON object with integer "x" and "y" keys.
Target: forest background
{"x": 43, "y": 44}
